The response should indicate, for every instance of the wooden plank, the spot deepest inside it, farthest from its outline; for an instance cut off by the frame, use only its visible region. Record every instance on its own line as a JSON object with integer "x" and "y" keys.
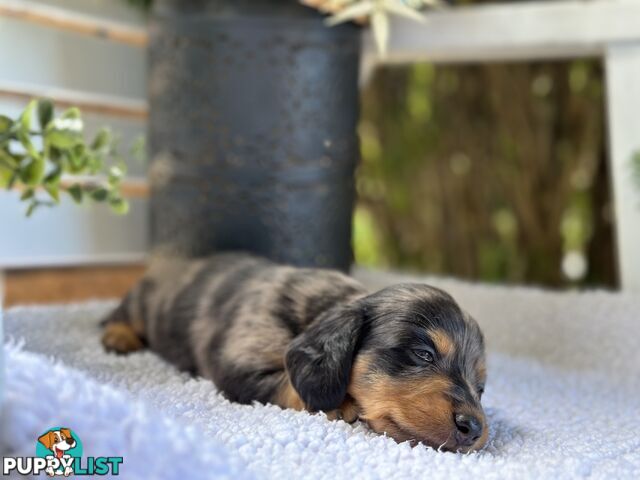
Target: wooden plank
{"x": 89, "y": 102}
{"x": 134, "y": 188}
{"x": 510, "y": 31}
{"x": 514, "y": 31}
{"x": 64, "y": 285}
{"x": 130, "y": 188}
{"x": 520, "y": 31}
{"x": 623, "y": 107}
{"x": 56, "y": 17}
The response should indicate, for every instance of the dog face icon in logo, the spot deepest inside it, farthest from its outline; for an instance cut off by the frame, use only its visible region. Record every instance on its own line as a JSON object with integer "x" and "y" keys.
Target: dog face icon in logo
{"x": 62, "y": 445}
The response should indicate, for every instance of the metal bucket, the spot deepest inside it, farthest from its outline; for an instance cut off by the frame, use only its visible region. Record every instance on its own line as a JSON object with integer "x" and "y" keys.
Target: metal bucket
{"x": 253, "y": 115}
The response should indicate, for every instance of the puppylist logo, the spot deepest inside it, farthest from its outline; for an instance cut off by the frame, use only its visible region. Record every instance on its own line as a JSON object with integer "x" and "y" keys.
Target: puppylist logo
{"x": 59, "y": 453}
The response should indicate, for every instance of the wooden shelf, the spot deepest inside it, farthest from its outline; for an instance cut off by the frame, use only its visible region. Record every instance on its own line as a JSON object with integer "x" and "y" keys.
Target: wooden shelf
{"x": 89, "y": 102}
{"x": 56, "y": 17}
{"x": 64, "y": 285}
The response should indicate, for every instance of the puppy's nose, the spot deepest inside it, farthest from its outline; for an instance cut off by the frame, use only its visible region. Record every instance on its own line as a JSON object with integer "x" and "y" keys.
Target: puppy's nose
{"x": 469, "y": 429}
{"x": 70, "y": 441}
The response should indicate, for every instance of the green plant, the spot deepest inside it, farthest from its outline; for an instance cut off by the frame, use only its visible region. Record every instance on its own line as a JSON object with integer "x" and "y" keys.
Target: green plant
{"x": 53, "y": 158}
{"x": 635, "y": 166}
{"x": 487, "y": 172}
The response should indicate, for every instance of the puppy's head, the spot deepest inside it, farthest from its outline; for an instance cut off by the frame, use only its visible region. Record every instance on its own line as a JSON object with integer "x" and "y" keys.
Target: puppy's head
{"x": 408, "y": 355}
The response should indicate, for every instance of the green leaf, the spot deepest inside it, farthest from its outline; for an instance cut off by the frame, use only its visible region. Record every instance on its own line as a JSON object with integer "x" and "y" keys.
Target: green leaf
{"x": 75, "y": 191}
{"x": 94, "y": 164}
{"x": 63, "y": 139}
{"x": 73, "y": 112}
{"x": 27, "y": 194}
{"x": 138, "y": 149}
{"x": 33, "y": 173}
{"x": 53, "y": 189}
{"x": 635, "y": 166}
{"x": 56, "y": 155}
{"x": 63, "y": 152}
{"x": 5, "y": 124}
{"x": 27, "y": 115}
{"x": 65, "y": 132}
{"x": 13, "y": 180}
{"x": 25, "y": 140}
{"x": 8, "y": 160}
{"x": 74, "y": 161}
{"x": 32, "y": 207}
{"x": 100, "y": 194}
{"x": 6, "y": 175}
{"x": 102, "y": 140}
{"x": 53, "y": 177}
{"x": 45, "y": 112}
{"x": 8, "y": 167}
{"x": 52, "y": 183}
{"x": 119, "y": 205}
{"x": 115, "y": 175}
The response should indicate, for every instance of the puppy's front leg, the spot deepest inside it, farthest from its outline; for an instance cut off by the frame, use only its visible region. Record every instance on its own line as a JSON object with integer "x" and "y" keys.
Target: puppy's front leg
{"x": 121, "y": 338}
{"x": 348, "y": 411}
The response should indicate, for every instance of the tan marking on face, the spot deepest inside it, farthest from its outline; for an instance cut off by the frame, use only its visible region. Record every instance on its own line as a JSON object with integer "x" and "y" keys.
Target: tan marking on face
{"x": 481, "y": 370}
{"x": 415, "y": 410}
{"x": 443, "y": 342}
{"x": 287, "y": 397}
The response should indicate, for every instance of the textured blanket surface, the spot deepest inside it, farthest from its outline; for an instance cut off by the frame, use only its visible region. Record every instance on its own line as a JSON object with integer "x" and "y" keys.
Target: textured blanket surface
{"x": 563, "y": 399}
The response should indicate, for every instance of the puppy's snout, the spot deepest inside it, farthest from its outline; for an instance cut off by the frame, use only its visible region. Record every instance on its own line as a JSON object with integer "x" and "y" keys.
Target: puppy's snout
{"x": 70, "y": 441}
{"x": 468, "y": 429}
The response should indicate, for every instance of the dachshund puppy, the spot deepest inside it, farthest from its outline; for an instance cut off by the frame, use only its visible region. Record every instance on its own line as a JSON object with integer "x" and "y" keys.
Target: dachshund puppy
{"x": 406, "y": 360}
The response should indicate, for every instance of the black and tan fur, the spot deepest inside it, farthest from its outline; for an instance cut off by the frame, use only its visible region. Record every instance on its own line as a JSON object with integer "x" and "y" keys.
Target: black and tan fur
{"x": 317, "y": 340}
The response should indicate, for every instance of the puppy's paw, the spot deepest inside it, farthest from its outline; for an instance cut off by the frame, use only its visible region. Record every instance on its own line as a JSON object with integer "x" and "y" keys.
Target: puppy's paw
{"x": 348, "y": 412}
{"x": 121, "y": 338}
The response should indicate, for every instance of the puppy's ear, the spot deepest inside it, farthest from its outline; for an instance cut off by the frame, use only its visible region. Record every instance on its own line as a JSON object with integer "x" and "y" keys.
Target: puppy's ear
{"x": 47, "y": 440}
{"x": 319, "y": 360}
{"x": 66, "y": 432}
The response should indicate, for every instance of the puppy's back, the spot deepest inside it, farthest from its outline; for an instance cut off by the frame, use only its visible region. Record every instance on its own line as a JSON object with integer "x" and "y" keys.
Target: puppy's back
{"x": 231, "y": 316}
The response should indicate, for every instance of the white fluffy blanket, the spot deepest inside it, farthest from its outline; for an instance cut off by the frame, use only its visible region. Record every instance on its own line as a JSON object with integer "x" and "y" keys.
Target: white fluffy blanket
{"x": 563, "y": 399}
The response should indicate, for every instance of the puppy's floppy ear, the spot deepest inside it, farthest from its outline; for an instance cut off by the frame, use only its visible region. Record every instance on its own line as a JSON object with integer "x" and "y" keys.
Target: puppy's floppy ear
{"x": 47, "y": 440}
{"x": 319, "y": 360}
{"x": 66, "y": 432}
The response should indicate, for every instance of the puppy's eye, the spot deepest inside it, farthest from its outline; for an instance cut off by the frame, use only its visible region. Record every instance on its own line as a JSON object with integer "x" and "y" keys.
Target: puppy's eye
{"x": 480, "y": 390}
{"x": 424, "y": 355}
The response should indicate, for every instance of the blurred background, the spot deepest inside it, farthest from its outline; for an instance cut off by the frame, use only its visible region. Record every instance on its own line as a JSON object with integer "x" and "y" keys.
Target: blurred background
{"x": 487, "y": 172}
{"x": 493, "y": 172}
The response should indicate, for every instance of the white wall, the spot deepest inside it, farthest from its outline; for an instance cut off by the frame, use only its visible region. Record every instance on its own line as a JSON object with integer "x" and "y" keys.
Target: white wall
{"x": 34, "y": 55}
